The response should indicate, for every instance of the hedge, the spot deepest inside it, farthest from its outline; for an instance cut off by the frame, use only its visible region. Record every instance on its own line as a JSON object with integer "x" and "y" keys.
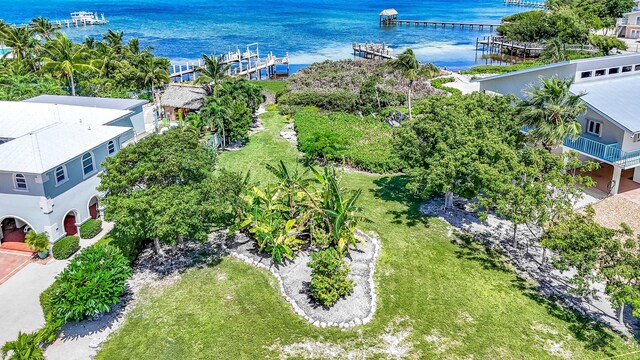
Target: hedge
{"x": 439, "y": 84}
{"x": 90, "y": 229}
{"x": 45, "y": 299}
{"x": 66, "y": 247}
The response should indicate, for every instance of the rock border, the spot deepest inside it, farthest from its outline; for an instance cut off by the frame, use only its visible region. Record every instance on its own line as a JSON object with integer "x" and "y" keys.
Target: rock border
{"x": 299, "y": 311}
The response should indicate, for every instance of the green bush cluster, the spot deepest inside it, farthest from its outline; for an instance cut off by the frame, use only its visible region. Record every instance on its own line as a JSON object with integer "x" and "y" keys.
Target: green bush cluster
{"x": 90, "y": 229}
{"x": 66, "y": 247}
{"x": 439, "y": 84}
{"x": 337, "y": 100}
{"x": 329, "y": 277}
{"x": 45, "y": 299}
{"x": 363, "y": 142}
{"x": 93, "y": 281}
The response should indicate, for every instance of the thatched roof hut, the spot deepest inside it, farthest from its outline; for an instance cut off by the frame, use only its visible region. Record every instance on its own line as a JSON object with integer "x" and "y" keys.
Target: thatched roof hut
{"x": 183, "y": 97}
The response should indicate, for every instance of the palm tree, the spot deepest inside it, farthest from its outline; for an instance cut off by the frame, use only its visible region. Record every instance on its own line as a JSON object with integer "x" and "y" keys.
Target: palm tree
{"x": 114, "y": 39}
{"x": 20, "y": 40}
{"x": 43, "y": 27}
{"x": 211, "y": 74}
{"x": 553, "y": 52}
{"x": 410, "y": 67}
{"x": 552, "y": 111}
{"x": 63, "y": 58}
{"x": 107, "y": 59}
{"x": 154, "y": 71}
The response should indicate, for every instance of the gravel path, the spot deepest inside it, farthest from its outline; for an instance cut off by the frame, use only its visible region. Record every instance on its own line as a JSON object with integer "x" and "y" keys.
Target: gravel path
{"x": 527, "y": 258}
{"x": 294, "y": 277}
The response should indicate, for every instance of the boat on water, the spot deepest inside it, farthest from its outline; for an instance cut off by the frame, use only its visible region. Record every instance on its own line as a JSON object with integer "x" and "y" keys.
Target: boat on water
{"x": 88, "y": 18}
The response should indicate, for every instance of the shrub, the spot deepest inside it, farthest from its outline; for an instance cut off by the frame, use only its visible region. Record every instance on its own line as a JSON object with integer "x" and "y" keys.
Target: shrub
{"x": 337, "y": 100}
{"x": 66, "y": 247}
{"x": 45, "y": 299}
{"x": 365, "y": 143}
{"x": 90, "y": 229}
{"x": 439, "y": 84}
{"x": 329, "y": 277}
{"x": 93, "y": 281}
{"x": 25, "y": 347}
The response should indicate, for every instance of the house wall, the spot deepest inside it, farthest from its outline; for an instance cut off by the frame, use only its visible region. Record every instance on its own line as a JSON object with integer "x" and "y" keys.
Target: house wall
{"x": 610, "y": 132}
{"x": 34, "y": 184}
{"x": 50, "y": 218}
{"x": 516, "y": 84}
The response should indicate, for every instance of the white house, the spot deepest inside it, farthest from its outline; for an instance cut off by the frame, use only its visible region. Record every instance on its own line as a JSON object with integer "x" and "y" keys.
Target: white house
{"x": 610, "y": 127}
{"x": 50, "y": 154}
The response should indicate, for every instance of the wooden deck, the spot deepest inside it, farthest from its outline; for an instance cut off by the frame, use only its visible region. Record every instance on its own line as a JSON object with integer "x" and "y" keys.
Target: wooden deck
{"x": 498, "y": 44}
{"x": 534, "y": 4}
{"x": 372, "y": 51}
{"x": 442, "y": 24}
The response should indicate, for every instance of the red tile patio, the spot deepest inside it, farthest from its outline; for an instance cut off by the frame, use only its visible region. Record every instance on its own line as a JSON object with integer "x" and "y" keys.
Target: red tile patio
{"x": 11, "y": 262}
{"x": 628, "y": 188}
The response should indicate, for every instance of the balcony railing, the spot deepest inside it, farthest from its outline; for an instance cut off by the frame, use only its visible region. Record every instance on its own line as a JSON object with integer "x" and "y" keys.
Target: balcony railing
{"x": 610, "y": 153}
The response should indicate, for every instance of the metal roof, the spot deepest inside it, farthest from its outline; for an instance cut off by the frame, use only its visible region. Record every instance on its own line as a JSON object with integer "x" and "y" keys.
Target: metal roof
{"x": 46, "y": 148}
{"x": 615, "y": 98}
{"x": 95, "y": 102}
{"x": 20, "y": 118}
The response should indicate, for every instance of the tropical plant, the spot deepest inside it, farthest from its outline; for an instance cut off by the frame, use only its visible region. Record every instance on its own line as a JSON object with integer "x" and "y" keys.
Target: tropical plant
{"x": 154, "y": 71}
{"x": 63, "y": 59}
{"x": 212, "y": 73}
{"x": 91, "y": 283}
{"x": 21, "y": 41}
{"x": 329, "y": 277}
{"x": 37, "y": 241}
{"x": 551, "y": 111}
{"x": 114, "y": 40}
{"x": 25, "y": 347}
{"x": 410, "y": 67}
{"x": 43, "y": 27}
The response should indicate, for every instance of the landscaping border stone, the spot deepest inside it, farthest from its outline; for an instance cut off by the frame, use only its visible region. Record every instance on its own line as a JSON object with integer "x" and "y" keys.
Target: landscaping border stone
{"x": 293, "y": 277}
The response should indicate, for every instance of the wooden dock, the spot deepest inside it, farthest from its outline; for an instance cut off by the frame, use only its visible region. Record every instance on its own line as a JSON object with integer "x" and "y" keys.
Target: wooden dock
{"x": 372, "y": 51}
{"x": 534, "y": 4}
{"x": 442, "y": 24}
{"x": 389, "y": 17}
{"x": 498, "y": 44}
{"x": 246, "y": 64}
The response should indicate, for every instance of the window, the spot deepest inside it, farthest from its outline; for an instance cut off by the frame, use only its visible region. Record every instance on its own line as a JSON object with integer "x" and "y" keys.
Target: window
{"x": 614, "y": 71}
{"x": 601, "y": 72}
{"x": 626, "y": 69}
{"x": 61, "y": 174}
{"x": 594, "y": 127}
{"x": 586, "y": 74}
{"x": 636, "y": 137}
{"x": 87, "y": 164}
{"x": 636, "y": 68}
{"x": 111, "y": 147}
{"x": 21, "y": 182}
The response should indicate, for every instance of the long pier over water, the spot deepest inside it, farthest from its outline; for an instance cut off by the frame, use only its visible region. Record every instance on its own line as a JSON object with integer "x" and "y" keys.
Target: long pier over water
{"x": 389, "y": 17}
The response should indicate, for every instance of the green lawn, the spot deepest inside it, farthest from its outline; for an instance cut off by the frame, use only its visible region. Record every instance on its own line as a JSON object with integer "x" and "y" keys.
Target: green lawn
{"x": 275, "y": 86}
{"x": 436, "y": 299}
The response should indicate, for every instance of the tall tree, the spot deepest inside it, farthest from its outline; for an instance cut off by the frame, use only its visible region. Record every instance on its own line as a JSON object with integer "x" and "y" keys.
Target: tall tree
{"x": 454, "y": 140}
{"x": 212, "y": 73}
{"x": 63, "y": 58}
{"x": 154, "y": 71}
{"x": 43, "y": 27}
{"x": 551, "y": 111}
{"x": 410, "y": 67}
{"x": 21, "y": 41}
{"x": 114, "y": 39}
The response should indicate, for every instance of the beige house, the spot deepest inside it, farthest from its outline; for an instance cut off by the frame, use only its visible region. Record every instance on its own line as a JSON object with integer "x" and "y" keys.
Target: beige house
{"x": 629, "y": 25}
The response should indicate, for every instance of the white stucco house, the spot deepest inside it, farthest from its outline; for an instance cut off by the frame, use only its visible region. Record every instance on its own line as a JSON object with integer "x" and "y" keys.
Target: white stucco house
{"x": 611, "y": 126}
{"x": 51, "y": 150}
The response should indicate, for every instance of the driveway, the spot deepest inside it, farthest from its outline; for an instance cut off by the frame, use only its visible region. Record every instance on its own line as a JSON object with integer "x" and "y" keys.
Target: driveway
{"x": 20, "y": 293}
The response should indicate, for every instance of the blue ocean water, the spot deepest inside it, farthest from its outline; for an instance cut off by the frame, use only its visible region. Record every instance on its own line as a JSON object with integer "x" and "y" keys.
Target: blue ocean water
{"x": 309, "y": 30}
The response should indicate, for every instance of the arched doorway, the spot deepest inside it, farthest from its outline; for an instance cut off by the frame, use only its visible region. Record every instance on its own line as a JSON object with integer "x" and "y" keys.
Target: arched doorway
{"x": 70, "y": 224}
{"x": 93, "y": 207}
{"x": 13, "y": 231}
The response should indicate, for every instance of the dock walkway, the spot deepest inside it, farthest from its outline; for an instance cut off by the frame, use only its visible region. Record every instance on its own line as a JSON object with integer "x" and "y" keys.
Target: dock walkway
{"x": 372, "y": 51}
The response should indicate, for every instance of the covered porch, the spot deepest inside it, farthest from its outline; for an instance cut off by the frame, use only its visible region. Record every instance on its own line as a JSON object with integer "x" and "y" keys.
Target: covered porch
{"x": 617, "y": 181}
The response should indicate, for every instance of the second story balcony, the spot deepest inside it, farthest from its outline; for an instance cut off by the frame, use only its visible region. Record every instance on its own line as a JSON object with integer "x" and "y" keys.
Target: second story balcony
{"x": 609, "y": 153}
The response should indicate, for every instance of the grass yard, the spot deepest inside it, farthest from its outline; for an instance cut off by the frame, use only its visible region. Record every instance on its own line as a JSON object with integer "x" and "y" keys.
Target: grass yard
{"x": 436, "y": 299}
{"x": 275, "y": 86}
